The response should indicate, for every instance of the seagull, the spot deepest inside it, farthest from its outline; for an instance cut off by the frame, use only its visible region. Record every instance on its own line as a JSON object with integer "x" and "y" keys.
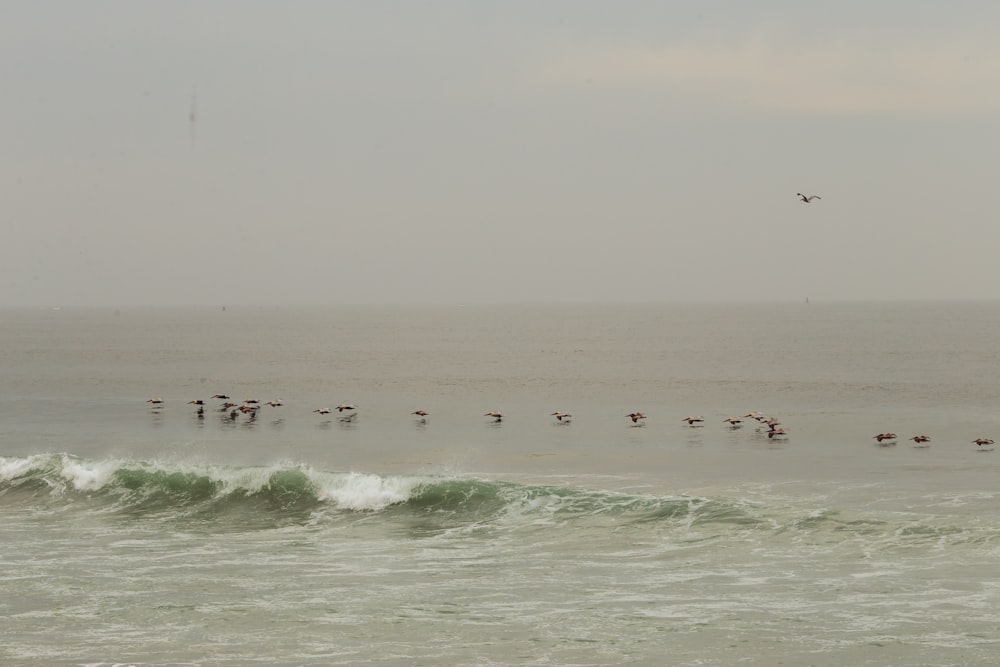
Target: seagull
{"x": 884, "y": 436}
{"x": 983, "y": 441}
{"x": 497, "y": 416}
{"x": 693, "y": 420}
{"x": 808, "y": 199}
{"x": 635, "y": 417}
{"x": 562, "y": 417}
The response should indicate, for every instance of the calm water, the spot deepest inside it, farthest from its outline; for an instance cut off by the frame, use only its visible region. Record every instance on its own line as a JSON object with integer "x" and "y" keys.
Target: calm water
{"x": 166, "y": 537}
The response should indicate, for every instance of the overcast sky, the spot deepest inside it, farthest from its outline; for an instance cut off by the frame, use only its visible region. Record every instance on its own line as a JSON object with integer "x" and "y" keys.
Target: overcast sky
{"x": 241, "y": 152}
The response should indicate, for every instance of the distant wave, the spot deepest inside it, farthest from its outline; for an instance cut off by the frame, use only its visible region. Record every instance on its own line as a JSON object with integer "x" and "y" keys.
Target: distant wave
{"x": 154, "y": 486}
{"x": 246, "y": 498}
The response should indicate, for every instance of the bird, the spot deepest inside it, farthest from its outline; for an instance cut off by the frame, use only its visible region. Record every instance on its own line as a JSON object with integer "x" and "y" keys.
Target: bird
{"x": 884, "y": 436}
{"x": 920, "y": 439}
{"x": 346, "y": 406}
{"x": 497, "y": 416}
{"x": 422, "y": 414}
{"x": 983, "y": 441}
{"x": 347, "y": 419}
{"x": 251, "y": 401}
{"x": 274, "y": 404}
{"x": 808, "y": 199}
{"x": 155, "y": 401}
{"x": 777, "y": 432}
{"x": 693, "y": 420}
{"x": 562, "y": 417}
{"x": 197, "y": 401}
{"x": 222, "y": 396}
{"x": 322, "y": 411}
{"x": 734, "y": 422}
{"x": 635, "y": 417}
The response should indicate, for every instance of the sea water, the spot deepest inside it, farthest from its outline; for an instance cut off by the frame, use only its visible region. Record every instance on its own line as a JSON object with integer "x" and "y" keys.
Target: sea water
{"x": 134, "y": 533}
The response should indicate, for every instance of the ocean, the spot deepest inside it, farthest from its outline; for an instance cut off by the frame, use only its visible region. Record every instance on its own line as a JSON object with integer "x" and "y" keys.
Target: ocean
{"x": 136, "y": 533}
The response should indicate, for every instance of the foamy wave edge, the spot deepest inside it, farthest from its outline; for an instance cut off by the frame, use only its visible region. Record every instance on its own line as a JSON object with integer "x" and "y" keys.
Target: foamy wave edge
{"x": 65, "y": 473}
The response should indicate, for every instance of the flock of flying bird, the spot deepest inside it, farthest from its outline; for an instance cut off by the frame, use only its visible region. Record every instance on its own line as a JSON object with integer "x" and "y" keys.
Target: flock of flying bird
{"x": 348, "y": 413}
{"x": 888, "y": 438}
{"x": 251, "y": 407}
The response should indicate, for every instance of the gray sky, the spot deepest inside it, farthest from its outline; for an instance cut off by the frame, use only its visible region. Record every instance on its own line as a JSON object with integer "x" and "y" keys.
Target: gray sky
{"x": 468, "y": 152}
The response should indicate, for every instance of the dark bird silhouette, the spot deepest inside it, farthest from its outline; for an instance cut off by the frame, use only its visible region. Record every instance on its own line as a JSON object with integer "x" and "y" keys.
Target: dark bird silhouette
{"x": 635, "y": 416}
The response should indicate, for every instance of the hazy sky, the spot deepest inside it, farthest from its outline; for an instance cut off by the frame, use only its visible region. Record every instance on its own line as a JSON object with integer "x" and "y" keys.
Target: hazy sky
{"x": 477, "y": 152}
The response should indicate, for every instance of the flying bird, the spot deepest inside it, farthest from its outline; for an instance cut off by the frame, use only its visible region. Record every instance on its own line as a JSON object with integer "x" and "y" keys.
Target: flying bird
{"x": 808, "y": 199}
{"x": 497, "y": 416}
{"x": 884, "y": 436}
{"x": 562, "y": 417}
{"x": 983, "y": 441}
{"x": 693, "y": 420}
{"x": 635, "y": 417}
{"x": 920, "y": 439}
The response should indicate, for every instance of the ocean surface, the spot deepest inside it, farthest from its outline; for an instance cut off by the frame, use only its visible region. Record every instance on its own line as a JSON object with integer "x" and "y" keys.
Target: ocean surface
{"x": 145, "y": 534}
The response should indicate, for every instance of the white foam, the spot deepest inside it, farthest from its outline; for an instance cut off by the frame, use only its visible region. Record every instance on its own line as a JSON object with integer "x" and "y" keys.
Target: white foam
{"x": 88, "y": 475}
{"x": 359, "y": 491}
{"x": 12, "y": 468}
